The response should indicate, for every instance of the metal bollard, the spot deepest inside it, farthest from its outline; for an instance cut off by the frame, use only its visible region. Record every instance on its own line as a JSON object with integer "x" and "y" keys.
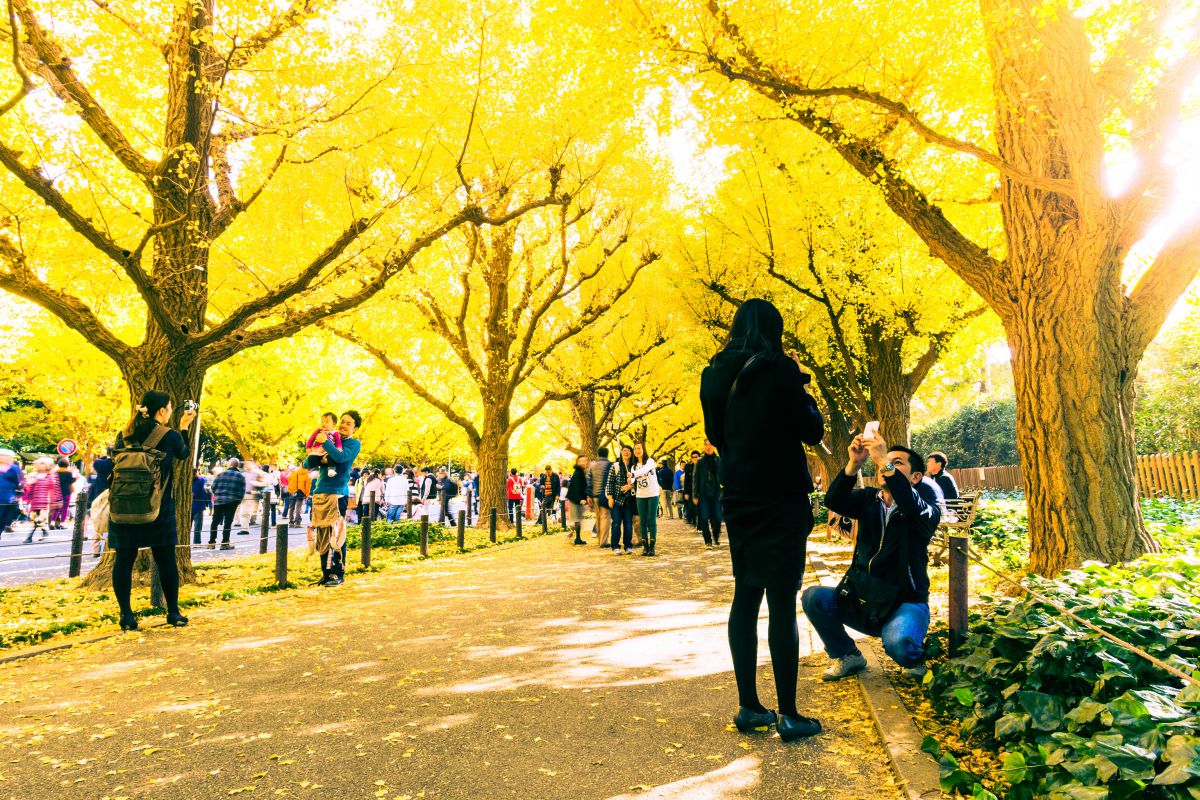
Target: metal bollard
{"x": 266, "y": 524}
{"x": 365, "y": 532}
{"x": 281, "y": 553}
{"x": 462, "y": 530}
{"x": 958, "y": 592}
{"x": 492, "y": 526}
{"x": 77, "y": 536}
{"x": 424, "y": 535}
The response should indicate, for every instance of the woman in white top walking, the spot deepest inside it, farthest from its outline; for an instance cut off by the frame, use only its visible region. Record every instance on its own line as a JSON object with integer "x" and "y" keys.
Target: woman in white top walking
{"x": 646, "y": 492}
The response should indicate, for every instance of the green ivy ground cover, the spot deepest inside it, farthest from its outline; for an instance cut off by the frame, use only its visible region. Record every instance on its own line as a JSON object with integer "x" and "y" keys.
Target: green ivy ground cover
{"x": 1072, "y": 714}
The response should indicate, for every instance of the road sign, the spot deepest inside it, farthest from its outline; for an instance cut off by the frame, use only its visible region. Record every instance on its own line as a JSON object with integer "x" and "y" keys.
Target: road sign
{"x": 67, "y": 447}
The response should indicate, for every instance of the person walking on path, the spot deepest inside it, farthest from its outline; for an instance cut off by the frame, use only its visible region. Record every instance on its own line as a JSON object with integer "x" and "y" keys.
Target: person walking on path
{"x": 706, "y": 483}
{"x": 201, "y": 502}
{"x": 597, "y": 482}
{"x": 886, "y": 590}
{"x": 228, "y": 491}
{"x": 622, "y": 501}
{"x": 149, "y": 429}
{"x": 43, "y": 493}
{"x": 12, "y": 486}
{"x": 680, "y": 500}
{"x": 759, "y": 415}
{"x": 577, "y": 496}
{"x": 645, "y": 475}
{"x": 331, "y": 496}
{"x": 512, "y": 492}
{"x": 66, "y": 483}
{"x": 395, "y": 493}
{"x": 666, "y": 477}
{"x": 300, "y": 489}
{"x": 548, "y": 487}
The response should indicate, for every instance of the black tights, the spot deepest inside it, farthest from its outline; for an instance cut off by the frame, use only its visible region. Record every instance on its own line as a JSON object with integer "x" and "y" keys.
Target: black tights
{"x": 168, "y": 576}
{"x": 783, "y": 638}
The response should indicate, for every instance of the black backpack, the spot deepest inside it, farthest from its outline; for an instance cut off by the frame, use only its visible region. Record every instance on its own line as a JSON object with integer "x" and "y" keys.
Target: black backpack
{"x": 135, "y": 494}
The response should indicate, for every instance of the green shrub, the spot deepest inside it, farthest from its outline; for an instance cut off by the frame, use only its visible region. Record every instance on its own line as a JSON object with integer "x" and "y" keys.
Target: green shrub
{"x": 977, "y": 435}
{"x": 1076, "y": 715}
{"x": 397, "y": 534}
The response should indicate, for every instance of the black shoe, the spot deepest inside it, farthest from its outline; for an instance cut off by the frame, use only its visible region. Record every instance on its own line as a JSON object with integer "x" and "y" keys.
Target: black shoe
{"x": 792, "y": 729}
{"x": 578, "y": 541}
{"x": 128, "y": 622}
{"x": 175, "y": 619}
{"x": 651, "y": 552}
{"x": 28, "y": 539}
{"x": 748, "y": 721}
{"x": 334, "y": 580}
{"x": 226, "y": 546}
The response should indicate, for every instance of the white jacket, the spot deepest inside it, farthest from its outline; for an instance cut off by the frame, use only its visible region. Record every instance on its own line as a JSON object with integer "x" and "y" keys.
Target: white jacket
{"x": 395, "y": 491}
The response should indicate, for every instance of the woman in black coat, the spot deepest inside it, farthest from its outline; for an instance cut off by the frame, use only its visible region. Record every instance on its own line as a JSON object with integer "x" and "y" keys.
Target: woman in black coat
{"x": 759, "y": 415}
{"x": 160, "y": 535}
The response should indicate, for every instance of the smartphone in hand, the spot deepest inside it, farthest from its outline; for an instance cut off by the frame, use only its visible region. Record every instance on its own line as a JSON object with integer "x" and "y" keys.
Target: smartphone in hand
{"x": 871, "y": 431}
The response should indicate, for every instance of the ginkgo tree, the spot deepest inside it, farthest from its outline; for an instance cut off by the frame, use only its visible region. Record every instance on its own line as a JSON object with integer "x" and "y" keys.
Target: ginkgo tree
{"x": 221, "y": 222}
{"x": 1024, "y": 107}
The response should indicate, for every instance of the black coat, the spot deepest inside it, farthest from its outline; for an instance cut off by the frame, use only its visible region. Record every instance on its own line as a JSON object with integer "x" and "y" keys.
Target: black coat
{"x": 706, "y": 480}
{"x": 577, "y": 488}
{"x": 899, "y": 553}
{"x": 760, "y": 427}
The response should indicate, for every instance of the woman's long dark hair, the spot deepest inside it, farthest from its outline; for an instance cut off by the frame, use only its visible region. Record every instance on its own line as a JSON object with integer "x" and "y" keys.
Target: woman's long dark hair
{"x": 143, "y": 421}
{"x": 645, "y": 453}
{"x": 757, "y": 327}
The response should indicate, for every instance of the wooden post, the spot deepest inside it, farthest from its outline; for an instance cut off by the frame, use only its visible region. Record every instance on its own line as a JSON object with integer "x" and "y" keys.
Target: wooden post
{"x": 77, "y": 536}
{"x": 958, "y": 591}
{"x": 424, "y": 535}
{"x": 408, "y": 511}
{"x": 441, "y": 507}
{"x": 266, "y": 523}
{"x": 281, "y": 553}
{"x": 562, "y": 511}
{"x": 470, "y": 506}
{"x": 156, "y": 593}
{"x": 492, "y": 525}
{"x": 545, "y": 520}
{"x": 462, "y": 530}
{"x": 364, "y": 532}
{"x": 520, "y": 515}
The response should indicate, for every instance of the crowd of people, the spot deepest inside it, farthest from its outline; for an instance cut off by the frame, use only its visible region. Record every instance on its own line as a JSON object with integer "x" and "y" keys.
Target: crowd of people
{"x": 758, "y": 418}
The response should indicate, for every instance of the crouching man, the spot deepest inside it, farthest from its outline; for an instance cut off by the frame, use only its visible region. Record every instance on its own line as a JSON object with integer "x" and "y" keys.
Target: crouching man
{"x": 885, "y": 592}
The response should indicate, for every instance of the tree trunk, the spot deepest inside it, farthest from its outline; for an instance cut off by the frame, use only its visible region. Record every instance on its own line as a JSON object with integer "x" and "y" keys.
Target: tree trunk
{"x": 891, "y": 400}
{"x": 583, "y": 410}
{"x": 177, "y": 374}
{"x": 1074, "y": 392}
{"x": 491, "y": 454}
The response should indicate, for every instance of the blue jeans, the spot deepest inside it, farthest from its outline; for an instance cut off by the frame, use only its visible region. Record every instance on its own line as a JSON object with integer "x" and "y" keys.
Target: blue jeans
{"x": 903, "y": 634}
{"x": 393, "y": 512}
{"x": 622, "y": 520}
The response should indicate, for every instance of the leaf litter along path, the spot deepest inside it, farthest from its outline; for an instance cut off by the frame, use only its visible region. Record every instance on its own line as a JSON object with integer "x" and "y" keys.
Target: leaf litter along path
{"x": 535, "y": 670}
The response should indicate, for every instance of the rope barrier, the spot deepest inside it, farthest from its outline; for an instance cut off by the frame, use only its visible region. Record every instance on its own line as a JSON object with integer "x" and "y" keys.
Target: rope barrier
{"x": 974, "y": 556}
{"x": 201, "y": 546}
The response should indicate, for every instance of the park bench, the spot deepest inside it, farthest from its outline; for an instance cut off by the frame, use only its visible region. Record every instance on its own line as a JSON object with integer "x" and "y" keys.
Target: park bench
{"x": 957, "y": 516}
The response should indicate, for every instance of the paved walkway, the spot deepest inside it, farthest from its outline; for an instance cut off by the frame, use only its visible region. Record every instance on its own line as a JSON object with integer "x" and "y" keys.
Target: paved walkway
{"x": 536, "y": 670}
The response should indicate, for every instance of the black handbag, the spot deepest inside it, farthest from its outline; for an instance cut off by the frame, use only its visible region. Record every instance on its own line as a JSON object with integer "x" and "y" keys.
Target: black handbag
{"x": 864, "y": 601}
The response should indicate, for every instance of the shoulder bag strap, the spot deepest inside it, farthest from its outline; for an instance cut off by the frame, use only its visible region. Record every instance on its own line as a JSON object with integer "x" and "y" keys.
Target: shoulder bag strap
{"x": 155, "y": 436}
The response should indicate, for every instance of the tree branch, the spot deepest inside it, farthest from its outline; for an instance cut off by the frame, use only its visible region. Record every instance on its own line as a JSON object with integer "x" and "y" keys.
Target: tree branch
{"x": 290, "y": 18}
{"x": 18, "y": 64}
{"x": 398, "y": 371}
{"x": 1156, "y": 293}
{"x": 56, "y": 70}
{"x": 22, "y": 281}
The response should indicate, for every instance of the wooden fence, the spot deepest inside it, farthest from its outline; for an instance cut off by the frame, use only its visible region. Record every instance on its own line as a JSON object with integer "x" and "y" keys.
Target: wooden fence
{"x": 1169, "y": 475}
{"x": 1001, "y": 478}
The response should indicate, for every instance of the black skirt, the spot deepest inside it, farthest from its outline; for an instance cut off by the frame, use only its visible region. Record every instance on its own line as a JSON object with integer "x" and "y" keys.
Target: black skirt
{"x": 768, "y": 537}
{"x": 162, "y": 532}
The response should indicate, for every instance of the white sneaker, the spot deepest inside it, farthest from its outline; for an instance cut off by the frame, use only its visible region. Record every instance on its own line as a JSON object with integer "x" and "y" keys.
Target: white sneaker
{"x": 628, "y": 551}
{"x": 844, "y": 667}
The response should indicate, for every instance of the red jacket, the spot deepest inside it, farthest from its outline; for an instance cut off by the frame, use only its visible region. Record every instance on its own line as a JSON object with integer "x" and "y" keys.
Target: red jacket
{"x": 513, "y": 487}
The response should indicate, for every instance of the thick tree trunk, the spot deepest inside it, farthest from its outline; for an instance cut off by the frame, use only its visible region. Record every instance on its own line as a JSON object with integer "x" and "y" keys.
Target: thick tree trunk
{"x": 583, "y": 410}
{"x": 1074, "y": 391}
{"x": 491, "y": 454}
{"x": 891, "y": 399}
{"x": 177, "y": 374}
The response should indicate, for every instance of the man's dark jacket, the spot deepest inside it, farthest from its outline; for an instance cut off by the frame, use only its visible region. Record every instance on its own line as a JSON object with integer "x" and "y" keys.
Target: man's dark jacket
{"x": 911, "y": 526}
{"x": 706, "y": 480}
{"x": 689, "y": 474}
{"x": 762, "y": 425}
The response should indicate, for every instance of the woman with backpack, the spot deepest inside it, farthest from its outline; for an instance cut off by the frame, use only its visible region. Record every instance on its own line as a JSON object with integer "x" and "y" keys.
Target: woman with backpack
{"x": 619, "y": 492}
{"x": 759, "y": 415}
{"x": 147, "y": 440}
